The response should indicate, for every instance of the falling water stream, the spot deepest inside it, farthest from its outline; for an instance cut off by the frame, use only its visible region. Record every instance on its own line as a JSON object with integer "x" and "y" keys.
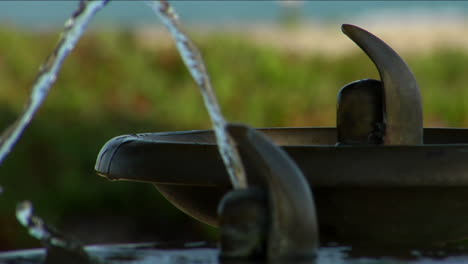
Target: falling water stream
{"x": 194, "y": 62}
{"x": 74, "y": 29}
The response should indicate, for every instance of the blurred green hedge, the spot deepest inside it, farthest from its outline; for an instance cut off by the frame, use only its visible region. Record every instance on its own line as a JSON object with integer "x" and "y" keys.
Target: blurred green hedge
{"x": 110, "y": 86}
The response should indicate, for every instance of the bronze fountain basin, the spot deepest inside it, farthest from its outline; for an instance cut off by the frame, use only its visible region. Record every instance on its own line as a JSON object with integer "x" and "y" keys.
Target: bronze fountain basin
{"x": 387, "y": 194}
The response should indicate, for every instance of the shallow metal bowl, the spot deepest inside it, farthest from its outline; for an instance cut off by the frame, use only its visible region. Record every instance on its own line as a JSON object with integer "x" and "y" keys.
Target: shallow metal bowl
{"x": 408, "y": 195}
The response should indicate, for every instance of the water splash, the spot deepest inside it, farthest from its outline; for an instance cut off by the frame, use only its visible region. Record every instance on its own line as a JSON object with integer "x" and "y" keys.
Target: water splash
{"x": 74, "y": 29}
{"x": 60, "y": 248}
{"x": 34, "y": 224}
{"x": 194, "y": 62}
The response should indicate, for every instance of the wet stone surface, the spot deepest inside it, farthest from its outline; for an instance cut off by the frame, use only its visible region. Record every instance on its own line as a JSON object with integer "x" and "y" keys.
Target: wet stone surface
{"x": 203, "y": 253}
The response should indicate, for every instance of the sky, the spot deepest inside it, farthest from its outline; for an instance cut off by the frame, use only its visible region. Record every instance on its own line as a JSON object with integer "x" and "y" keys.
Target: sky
{"x": 120, "y": 13}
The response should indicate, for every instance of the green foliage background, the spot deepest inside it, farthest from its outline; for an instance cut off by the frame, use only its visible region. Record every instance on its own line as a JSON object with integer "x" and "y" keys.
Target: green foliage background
{"x": 111, "y": 86}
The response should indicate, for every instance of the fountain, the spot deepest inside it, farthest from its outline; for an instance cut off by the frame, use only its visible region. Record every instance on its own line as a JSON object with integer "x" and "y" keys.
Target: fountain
{"x": 379, "y": 178}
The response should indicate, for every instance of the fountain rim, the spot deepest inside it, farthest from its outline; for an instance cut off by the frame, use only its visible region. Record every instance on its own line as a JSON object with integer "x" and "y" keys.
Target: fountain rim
{"x": 121, "y": 158}
{"x": 158, "y": 137}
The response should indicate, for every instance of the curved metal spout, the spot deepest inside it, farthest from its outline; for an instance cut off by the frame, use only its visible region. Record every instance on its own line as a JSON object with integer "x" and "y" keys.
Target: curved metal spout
{"x": 293, "y": 228}
{"x": 402, "y": 100}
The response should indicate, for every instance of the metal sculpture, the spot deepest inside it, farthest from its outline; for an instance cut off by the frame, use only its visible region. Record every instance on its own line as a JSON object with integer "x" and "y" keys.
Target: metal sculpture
{"x": 377, "y": 178}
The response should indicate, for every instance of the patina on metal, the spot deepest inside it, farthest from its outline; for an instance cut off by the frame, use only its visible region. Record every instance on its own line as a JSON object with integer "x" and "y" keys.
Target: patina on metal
{"x": 384, "y": 184}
